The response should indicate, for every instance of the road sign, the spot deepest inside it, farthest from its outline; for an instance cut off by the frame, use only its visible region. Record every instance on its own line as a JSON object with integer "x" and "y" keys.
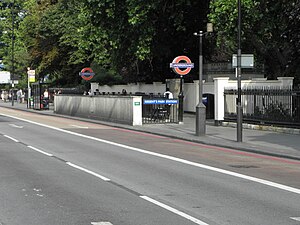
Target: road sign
{"x": 87, "y": 73}
{"x": 31, "y": 76}
{"x": 247, "y": 61}
{"x": 160, "y": 101}
{"x": 182, "y": 62}
{"x": 4, "y": 77}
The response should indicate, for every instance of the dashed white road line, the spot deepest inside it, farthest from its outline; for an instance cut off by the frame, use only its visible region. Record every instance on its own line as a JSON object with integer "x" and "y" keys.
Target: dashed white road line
{"x": 295, "y": 218}
{"x": 88, "y": 171}
{"x": 40, "y": 151}
{"x": 11, "y": 138}
{"x": 169, "y": 208}
{"x": 16, "y": 126}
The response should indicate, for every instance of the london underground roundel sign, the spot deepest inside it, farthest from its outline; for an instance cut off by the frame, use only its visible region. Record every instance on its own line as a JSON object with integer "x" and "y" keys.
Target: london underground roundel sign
{"x": 182, "y": 65}
{"x": 87, "y": 73}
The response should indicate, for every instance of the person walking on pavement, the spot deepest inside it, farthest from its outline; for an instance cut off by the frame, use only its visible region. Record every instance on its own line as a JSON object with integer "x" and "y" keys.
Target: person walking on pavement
{"x": 19, "y": 96}
{"x": 168, "y": 94}
{"x": 46, "y": 99}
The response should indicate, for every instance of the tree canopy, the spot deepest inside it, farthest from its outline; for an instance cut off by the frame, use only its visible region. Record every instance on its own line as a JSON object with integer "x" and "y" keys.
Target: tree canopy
{"x": 134, "y": 40}
{"x": 269, "y": 30}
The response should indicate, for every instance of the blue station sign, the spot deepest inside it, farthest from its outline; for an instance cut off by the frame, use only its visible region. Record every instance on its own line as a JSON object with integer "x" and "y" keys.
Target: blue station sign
{"x": 160, "y": 101}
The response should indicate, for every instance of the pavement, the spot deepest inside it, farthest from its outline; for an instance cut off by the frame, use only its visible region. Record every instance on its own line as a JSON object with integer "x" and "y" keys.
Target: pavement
{"x": 266, "y": 142}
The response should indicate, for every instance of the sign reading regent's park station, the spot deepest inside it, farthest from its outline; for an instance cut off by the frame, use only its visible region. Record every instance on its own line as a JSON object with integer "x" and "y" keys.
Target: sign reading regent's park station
{"x": 160, "y": 101}
{"x": 182, "y": 65}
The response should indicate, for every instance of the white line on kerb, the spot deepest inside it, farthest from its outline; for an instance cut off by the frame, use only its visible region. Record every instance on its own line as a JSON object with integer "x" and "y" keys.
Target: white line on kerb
{"x": 40, "y": 151}
{"x": 169, "y": 208}
{"x": 218, "y": 170}
{"x": 88, "y": 171}
{"x": 11, "y": 138}
{"x": 81, "y": 127}
{"x": 99, "y": 223}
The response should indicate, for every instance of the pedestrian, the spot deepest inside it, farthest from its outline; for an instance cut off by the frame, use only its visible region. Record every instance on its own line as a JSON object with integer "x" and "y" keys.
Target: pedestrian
{"x": 46, "y": 99}
{"x": 168, "y": 94}
{"x": 46, "y": 94}
{"x": 5, "y": 96}
{"x": 19, "y": 94}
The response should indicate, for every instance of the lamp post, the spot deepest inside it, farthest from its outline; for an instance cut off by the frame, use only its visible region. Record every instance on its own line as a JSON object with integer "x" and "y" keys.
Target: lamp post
{"x": 200, "y": 108}
{"x": 12, "y": 51}
{"x": 239, "y": 108}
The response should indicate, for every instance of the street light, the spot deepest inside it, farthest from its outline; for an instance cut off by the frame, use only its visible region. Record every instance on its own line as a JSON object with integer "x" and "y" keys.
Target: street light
{"x": 239, "y": 108}
{"x": 12, "y": 51}
{"x": 200, "y": 108}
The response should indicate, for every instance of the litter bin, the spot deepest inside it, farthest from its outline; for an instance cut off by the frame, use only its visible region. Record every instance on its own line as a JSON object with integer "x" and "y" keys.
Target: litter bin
{"x": 30, "y": 102}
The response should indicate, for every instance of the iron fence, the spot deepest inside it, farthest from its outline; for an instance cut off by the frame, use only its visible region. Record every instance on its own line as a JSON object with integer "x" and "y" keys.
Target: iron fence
{"x": 158, "y": 109}
{"x": 265, "y": 106}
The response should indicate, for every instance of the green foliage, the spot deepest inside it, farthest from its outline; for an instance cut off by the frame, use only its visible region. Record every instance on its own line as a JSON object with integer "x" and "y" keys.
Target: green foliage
{"x": 103, "y": 76}
{"x": 268, "y": 30}
{"x": 141, "y": 38}
{"x": 12, "y": 13}
{"x": 131, "y": 40}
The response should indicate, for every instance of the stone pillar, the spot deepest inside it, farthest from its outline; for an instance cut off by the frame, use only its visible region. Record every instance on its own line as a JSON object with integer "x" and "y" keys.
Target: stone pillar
{"x": 286, "y": 82}
{"x": 220, "y": 83}
{"x": 174, "y": 85}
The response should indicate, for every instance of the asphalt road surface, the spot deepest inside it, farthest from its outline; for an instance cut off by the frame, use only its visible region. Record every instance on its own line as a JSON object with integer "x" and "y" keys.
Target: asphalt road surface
{"x": 62, "y": 171}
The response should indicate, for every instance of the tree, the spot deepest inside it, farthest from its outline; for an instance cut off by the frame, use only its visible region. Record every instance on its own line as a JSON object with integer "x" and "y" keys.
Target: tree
{"x": 50, "y": 32}
{"x": 140, "y": 38}
{"x": 11, "y": 50}
{"x": 265, "y": 25}
{"x": 129, "y": 38}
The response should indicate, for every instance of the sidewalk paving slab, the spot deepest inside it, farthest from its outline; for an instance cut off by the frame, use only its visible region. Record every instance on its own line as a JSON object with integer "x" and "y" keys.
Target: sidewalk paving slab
{"x": 257, "y": 141}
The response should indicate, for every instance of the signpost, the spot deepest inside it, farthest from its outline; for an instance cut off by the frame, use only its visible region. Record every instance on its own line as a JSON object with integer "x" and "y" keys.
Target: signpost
{"x": 181, "y": 65}
{"x": 182, "y": 62}
{"x": 4, "y": 77}
{"x": 87, "y": 73}
{"x": 30, "y": 79}
{"x": 247, "y": 61}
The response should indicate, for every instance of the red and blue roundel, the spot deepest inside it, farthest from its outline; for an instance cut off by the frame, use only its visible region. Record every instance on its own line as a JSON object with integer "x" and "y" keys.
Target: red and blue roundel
{"x": 87, "y": 73}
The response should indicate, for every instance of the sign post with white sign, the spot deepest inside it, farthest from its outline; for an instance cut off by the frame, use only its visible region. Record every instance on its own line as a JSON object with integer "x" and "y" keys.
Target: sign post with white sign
{"x": 181, "y": 65}
{"x": 31, "y": 79}
{"x": 4, "y": 77}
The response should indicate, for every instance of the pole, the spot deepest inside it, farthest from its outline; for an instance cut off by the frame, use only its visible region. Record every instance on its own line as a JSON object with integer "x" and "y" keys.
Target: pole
{"x": 239, "y": 73}
{"x": 28, "y": 89}
{"x": 180, "y": 96}
{"x": 200, "y": 108}
{"x": 12, "y": 52}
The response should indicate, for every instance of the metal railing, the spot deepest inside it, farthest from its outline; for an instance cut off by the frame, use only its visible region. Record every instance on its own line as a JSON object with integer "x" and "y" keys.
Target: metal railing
{"x": 265, "y": 106}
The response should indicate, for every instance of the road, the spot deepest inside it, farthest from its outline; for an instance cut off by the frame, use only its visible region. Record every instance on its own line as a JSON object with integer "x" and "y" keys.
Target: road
{"x": 63, "y": 171}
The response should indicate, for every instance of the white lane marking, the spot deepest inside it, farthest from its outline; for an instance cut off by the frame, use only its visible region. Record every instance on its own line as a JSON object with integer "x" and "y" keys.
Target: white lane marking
{"x": 11, "y": 138}
{"x": 40, "y": 151}
{"x": 81, "y": 127}
{"x": 16, "y": 126}
{"x": 88, "y": 171}
{"x": 101, "y": 223}
{"x": 295, "y": 218}
{"x": 218, "y": 170}
{"x": 169, "y": 208}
